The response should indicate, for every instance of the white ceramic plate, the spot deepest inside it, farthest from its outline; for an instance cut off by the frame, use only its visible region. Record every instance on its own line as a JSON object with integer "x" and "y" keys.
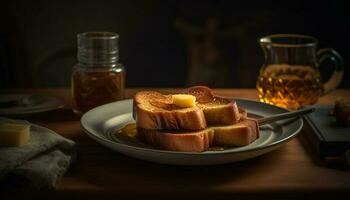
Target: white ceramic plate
{"x": 103, "y": 122}
{"x": 26, "y": 104}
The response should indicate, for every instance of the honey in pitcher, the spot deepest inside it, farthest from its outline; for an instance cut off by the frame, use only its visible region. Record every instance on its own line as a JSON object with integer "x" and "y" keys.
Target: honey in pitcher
{"x": 289, "y": 86}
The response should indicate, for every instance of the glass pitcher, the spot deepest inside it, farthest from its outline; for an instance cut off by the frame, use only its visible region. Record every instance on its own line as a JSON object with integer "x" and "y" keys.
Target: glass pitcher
{"x": 290, "y": 77}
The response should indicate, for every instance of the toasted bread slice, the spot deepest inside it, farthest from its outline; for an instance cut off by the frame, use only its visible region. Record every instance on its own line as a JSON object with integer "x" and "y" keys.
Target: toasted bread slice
{"x": 156, "y": 111}
{"x": 239, "y": 134}
{"x": 185, "y": 141}
{"x": 217, "y": 110}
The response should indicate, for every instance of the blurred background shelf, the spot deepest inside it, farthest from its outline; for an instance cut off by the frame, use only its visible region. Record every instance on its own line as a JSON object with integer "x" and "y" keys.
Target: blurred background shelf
{"x": 162, "y": 43}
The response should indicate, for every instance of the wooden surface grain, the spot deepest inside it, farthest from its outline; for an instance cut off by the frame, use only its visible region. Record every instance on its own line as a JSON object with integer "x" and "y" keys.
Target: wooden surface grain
{"x": 290, "y": 171}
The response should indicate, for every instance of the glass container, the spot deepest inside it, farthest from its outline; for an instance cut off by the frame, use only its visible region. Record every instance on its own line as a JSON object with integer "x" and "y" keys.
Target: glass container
{"x": 98, "y": 78}
{"x": 290, "y": 76}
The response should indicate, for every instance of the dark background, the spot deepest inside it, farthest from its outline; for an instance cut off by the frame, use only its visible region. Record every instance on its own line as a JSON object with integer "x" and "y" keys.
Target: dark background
{"x": 38, "y": 38}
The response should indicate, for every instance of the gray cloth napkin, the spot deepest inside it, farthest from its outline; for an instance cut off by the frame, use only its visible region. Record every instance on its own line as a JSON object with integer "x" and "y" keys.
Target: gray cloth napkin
{"x": 39, "y": 164}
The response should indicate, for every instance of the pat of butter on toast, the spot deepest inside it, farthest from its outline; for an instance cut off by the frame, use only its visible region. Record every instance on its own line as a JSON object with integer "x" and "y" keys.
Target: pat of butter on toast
{"x": 14, "y": 134}
{"x": 184, "y": 100}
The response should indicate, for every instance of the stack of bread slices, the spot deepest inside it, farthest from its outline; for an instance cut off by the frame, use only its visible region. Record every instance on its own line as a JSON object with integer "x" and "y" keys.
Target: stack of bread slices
{"x": 192, "y": 121}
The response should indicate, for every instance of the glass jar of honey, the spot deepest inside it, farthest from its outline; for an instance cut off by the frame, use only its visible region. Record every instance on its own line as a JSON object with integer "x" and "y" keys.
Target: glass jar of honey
{"x": 98, "y": 78}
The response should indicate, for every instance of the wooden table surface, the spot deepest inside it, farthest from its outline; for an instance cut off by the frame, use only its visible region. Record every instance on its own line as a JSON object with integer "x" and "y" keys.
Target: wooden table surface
{"x": 289, "y": 171}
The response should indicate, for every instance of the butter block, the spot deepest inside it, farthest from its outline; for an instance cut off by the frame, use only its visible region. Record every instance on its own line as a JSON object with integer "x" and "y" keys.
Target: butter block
{"x": 184, "y": 100}
{"x": 14, "y": 134}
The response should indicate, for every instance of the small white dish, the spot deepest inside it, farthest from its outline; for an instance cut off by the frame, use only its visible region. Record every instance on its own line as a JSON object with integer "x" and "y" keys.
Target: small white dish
{"x": 27, "y": 104}
{"x": 103, "y": 122}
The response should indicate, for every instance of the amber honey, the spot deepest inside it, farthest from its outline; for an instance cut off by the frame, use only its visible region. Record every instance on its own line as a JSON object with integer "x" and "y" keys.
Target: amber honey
{"x": 129, "y": 130}
{"x": 91, "y": 89}
{"x": 98, "y": 78}
{"x": 289, "y": 86}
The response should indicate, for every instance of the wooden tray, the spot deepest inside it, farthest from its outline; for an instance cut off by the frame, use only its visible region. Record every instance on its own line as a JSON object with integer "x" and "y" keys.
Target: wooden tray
{"x": 328, "y": 138}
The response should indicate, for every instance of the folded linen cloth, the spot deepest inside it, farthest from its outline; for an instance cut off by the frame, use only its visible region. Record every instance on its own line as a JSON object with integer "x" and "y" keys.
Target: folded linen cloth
{"x": 40, "y": 164}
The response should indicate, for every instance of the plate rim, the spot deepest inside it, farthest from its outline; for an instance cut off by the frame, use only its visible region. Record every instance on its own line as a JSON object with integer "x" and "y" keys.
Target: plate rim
{"x": 59, "y": 103}
{"x": 206, "y": 153}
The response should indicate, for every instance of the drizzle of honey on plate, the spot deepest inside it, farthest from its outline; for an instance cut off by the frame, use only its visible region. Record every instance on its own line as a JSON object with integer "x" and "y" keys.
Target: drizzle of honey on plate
{"x": 129, "y": 133}
{"x": 129, "y": 130}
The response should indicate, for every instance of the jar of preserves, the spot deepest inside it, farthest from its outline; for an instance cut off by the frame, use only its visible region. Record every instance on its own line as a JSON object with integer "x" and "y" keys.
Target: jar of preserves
{"x": 98, "y": 78}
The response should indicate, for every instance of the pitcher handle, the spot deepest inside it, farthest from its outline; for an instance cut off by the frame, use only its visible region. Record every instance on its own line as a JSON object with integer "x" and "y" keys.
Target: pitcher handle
{"x": 338, "y": 71}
